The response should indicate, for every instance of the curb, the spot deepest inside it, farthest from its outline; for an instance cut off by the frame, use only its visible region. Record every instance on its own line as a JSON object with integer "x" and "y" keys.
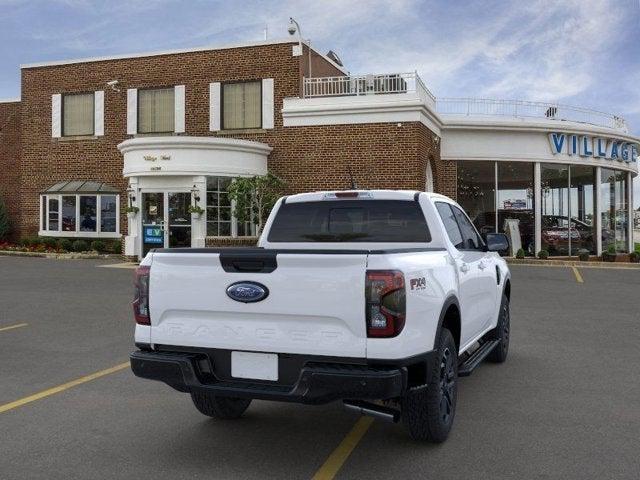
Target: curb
{"x": 59, "y": 256}
{"x": 573, "y": 263}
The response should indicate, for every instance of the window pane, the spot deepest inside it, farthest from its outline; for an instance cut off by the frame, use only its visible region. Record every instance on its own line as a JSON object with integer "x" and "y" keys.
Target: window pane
{"x": 88, "y": 214}
{"x": 469, "y": 235}
{"x": 77, "y": 114}
{"x": 69, "y": 214}
{"x": 350, "y": 221}
{"x": 450, "y": 224}
{"x": 156, "y": 110}
{"x": 218, "y": 206}
{"x": 476, "y": 193}
{"x": 581, "y": 205}
{"x": 515, "y": 203}
{"x": 613, "y": 200}
{"x": 555, "y": 209}
{"x": 108, "y": 214}
{"x": 53, "y": 214}
{"x": 242, "y": 105}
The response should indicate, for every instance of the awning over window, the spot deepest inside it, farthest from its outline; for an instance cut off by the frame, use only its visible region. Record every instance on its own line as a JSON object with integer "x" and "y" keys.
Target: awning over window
{"x": 81, "y": 186}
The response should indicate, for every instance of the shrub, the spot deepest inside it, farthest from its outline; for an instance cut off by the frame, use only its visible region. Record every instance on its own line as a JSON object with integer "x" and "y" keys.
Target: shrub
{"x": 543, "y": 254}
{"x": 80, "y": 246}
{"x": 583, "y": 255}
{"x": 65, "y": 244}
{"x": 98, "y": 246}
{"x": 48, "y": 242}
{"x": 116, "y": 247}
{"x": 28, "y": 241}
{"x": 634, "y": 257}
{"x": 5, "y": 225}
{"x": 520, "y": 253}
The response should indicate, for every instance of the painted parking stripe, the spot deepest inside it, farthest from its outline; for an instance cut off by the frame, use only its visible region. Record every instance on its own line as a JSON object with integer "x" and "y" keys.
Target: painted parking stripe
{"x": 332, "y": 465}
{"x": 119, "y": 265}
{"x": 11, "y": 327}
{"x": 61, "y": 388}
{"x": 577, "y": 274}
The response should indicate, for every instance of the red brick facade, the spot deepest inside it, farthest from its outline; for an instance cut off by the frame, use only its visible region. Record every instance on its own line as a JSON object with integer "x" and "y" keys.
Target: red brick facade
{"x": 10, "y": 159}
{"x": 383, "y": 155}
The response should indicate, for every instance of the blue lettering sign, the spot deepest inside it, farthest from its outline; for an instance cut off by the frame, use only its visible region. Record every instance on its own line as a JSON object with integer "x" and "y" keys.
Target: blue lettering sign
{"x": 601, "y": 149}
{"x": 153, "y": 234}
{"x": 586, "y": 147}
{"x": 614, "y": 150}
{"x": 557, "y": 142}
{"x": 573, "y": 146}
{"x": 624, "y": 152}
{"x": 634, "y": 152}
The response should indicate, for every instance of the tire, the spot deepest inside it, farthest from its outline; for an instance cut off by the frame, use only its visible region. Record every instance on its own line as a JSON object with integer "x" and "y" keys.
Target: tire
{"x": 502, "y": 333}
{"x": 222, "y": 408}
{"x": 428, "y": 411}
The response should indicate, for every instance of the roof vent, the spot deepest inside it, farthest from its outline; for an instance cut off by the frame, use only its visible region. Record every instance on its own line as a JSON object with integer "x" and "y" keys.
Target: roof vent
{"x": 334, "y": 56}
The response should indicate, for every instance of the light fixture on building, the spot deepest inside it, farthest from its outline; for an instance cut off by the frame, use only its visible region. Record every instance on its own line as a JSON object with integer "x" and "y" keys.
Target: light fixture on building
{"x": 132, "y": 195}
{"x": 195, "y": 193}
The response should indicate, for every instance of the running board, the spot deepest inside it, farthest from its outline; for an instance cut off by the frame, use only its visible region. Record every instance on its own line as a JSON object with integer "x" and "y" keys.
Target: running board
{"x": 467, "y": 367}
{"x": 373, "y": 410}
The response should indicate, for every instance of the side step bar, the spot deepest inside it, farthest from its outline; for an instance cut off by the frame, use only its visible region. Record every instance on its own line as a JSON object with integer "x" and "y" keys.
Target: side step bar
{"x": 466, "y": 368}
{"x": 373, "y": 410}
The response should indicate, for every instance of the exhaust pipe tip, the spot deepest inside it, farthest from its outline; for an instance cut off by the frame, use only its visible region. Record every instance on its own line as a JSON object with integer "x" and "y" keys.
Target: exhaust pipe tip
{"x": 387, "y": 414}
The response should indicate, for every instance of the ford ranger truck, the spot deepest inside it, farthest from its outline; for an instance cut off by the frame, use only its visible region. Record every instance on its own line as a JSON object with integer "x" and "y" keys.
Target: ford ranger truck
{"x": 380, "y": 299}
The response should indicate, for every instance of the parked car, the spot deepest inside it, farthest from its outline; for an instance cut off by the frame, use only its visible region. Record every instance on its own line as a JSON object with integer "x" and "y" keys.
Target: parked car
{"x": 380, "y": 299}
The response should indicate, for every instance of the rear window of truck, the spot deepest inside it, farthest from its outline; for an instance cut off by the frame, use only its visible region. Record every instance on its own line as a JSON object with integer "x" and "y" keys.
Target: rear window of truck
{"x": 350, "y": 221}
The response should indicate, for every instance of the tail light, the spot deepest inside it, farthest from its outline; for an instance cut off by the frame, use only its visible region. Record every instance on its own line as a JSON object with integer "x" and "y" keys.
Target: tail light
{"x": 386, "y": 303}
{"x": 141, "y": 297}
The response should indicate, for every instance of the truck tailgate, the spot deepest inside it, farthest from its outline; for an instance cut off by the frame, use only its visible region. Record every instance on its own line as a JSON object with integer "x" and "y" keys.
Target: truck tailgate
{"x": 315, "y": 304}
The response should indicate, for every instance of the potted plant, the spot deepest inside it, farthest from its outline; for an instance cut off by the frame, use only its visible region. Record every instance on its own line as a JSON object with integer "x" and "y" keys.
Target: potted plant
{"x": 132, "y": 211}
{"x": 610, "y": 255}
{"x": 583, "y": 255}
{"x": 520, "y": 253}
{"x": 543, "y": 254}
{"x": 195, "y": 210}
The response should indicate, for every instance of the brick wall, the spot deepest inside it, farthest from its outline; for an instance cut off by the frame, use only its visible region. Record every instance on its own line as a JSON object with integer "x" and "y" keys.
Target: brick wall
{"x": 10, "y": 159}
{"x": 444, "y": 172}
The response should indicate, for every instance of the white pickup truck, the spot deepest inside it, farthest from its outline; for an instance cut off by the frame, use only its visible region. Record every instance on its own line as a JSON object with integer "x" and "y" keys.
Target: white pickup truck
{"x": 377, "y": 298}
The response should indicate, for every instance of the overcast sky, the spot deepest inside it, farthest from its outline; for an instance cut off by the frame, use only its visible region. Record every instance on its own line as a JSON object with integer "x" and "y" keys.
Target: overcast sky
{"x": 582, "y": 52}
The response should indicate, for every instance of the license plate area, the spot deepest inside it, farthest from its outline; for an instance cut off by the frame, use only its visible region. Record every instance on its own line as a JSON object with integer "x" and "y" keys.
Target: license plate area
{"x": 254, "y": 366}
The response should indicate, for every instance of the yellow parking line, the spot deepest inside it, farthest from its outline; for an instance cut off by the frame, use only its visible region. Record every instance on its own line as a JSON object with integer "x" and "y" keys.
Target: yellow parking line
{"x": 576, "y": 272}
{"x": 332, "y": 465}
{"x": 60, "y": 388}
{"x": 11, "y": 327}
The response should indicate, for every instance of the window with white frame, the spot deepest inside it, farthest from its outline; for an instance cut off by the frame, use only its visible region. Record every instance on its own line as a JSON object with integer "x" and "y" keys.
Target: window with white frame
{"x": 242, "y": 105}
{"x": 78, "y": 114}
{"x": 220, "y": 219}
{"x": 80, "y": 215}
{"x": 156, "y": 110}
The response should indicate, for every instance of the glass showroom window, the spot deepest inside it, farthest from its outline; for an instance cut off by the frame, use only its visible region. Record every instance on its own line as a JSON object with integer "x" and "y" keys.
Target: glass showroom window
{"x": 78, "y": 114}
{"x": 79, "y": 215}
{"x": 582, "y": 195}
{"x": 242, "y": 105}
{"x": 515, "y": 204}
{"x": 156, "y": 110}
{"x": 220, "y": 221}
{"x": 613, "y": 201}
{"x": 477, "y": 193}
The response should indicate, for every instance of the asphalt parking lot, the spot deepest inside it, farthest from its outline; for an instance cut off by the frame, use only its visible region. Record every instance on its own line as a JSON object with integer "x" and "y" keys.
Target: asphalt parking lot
{"x": 565, "y": 405}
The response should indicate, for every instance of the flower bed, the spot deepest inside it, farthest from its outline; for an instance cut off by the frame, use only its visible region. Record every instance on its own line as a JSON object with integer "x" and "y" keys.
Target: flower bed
{"x": 53, "y": 246}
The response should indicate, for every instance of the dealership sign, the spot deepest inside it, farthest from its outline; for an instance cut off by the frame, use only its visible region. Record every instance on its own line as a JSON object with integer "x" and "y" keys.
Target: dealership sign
{"x": 596, "y": 147}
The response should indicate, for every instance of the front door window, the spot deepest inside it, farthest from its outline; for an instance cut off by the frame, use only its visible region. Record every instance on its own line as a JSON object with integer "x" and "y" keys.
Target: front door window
{"x": 166, "y": 221}
{"x": 179, "y": 220}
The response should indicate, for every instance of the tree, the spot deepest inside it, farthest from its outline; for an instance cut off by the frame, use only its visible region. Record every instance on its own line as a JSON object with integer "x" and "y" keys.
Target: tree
{"x": 254, "y": 197}
{"x": 5, "y": 225}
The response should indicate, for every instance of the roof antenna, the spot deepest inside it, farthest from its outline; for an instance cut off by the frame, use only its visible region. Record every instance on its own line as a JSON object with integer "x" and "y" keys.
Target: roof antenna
{"x": 354, "y": 185}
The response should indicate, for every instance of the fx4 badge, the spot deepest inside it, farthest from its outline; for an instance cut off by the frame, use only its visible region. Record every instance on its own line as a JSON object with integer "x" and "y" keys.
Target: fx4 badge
{"x": 418, "y": 283}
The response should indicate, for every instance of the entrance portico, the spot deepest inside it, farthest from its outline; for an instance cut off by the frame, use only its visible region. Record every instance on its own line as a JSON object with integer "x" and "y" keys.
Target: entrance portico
{"x": 169, "y": 174}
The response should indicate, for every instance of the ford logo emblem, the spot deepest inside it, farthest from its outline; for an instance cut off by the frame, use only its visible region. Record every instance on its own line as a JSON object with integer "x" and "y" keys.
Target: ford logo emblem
{"x": 247, "y": 292}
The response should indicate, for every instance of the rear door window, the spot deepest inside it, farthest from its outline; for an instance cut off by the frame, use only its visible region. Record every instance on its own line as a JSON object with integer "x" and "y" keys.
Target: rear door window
{"x": 450, "y": 224}
{"x": 350, "y": 221}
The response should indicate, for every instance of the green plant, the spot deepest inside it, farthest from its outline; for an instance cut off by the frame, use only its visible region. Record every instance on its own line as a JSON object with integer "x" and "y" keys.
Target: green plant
{"x": 65, "y": 244}
{"x": 80, "y": 246}
{"x": 543, "y": 254}
{"x": 195, "y": 209}
{"x": 28, "y": 241}
{"x": 98, "y": 246}
{"x": 634, "y": 257}
{"x": 48, "y": 242}
{"x": 611, "y": 249}
{"x": 254, "y": 197}
{"x": 132, "y": 209}
{"x": 5, "y": 224}
{"x": 116, "y": 246}
{"x": 520, "y": 253}
{"x": 583, "y": 254}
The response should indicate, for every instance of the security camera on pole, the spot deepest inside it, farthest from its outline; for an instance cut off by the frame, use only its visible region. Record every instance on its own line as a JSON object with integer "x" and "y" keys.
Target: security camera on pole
{"x": 292, "y": 29}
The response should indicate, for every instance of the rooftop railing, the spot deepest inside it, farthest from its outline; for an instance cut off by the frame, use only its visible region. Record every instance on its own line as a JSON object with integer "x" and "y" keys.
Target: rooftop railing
{"x": 398, "y": 83}
{"x": 526, "y": 109}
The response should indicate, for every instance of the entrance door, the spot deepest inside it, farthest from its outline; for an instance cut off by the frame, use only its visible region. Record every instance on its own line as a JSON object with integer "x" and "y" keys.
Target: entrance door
{"x": 166, "y": 221}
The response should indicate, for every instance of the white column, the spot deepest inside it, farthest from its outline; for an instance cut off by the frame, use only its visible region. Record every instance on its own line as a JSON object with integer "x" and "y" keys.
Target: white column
{"x": 630, "y": 212}
{"x": 133, "y": 242}
{"x": 537, "y": 203}
{"x": 199, "y": 225}
{"x": 598, "y": 212}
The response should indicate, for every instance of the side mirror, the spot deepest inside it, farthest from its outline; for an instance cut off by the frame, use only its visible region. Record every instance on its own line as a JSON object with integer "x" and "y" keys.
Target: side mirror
{"x": 496, "y": 242}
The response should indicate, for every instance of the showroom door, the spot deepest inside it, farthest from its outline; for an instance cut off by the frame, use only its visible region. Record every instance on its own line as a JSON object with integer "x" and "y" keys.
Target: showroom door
{"x": 179, "y": 220}
{"x": 153, "y": 221}
{"x": 166, "y": 221}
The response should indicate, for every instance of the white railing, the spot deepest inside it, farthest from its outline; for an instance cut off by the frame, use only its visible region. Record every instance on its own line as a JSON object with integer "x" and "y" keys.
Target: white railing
{"x": 526, "y": 109}
{"x": 355, "y": 85}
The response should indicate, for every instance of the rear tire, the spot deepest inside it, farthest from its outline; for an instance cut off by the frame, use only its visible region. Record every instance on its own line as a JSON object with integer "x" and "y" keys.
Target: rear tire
{"x": 501, "y": 333}
{"x": 223, "y": 408}
{"x": 428, "y": 411}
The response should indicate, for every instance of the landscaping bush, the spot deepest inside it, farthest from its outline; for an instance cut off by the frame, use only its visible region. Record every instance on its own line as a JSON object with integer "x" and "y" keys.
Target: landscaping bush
{"x": 634, "y": 257}
{"x": 28, "y": 241}
{"x": 5, "y": 226}
{"x": 48, "y": 242}
{"x": 543, "y": 254}
{"x": 80, "y": 246}
{"x": 116, "y": 247}
{"x": 98, "y": 246}
{"x": 520, "y": 253}
{"x": 65, "y": 244}
{"x": 610, "y": 255}
{"x": 583, "y": 255}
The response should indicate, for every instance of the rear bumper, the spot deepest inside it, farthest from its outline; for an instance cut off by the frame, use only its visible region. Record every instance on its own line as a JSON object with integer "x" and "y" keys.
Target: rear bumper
{"x": 317, "y": 382}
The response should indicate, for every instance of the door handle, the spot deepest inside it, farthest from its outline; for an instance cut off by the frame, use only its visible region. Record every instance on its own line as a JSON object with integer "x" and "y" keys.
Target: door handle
{"x": 464, "y": 268}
